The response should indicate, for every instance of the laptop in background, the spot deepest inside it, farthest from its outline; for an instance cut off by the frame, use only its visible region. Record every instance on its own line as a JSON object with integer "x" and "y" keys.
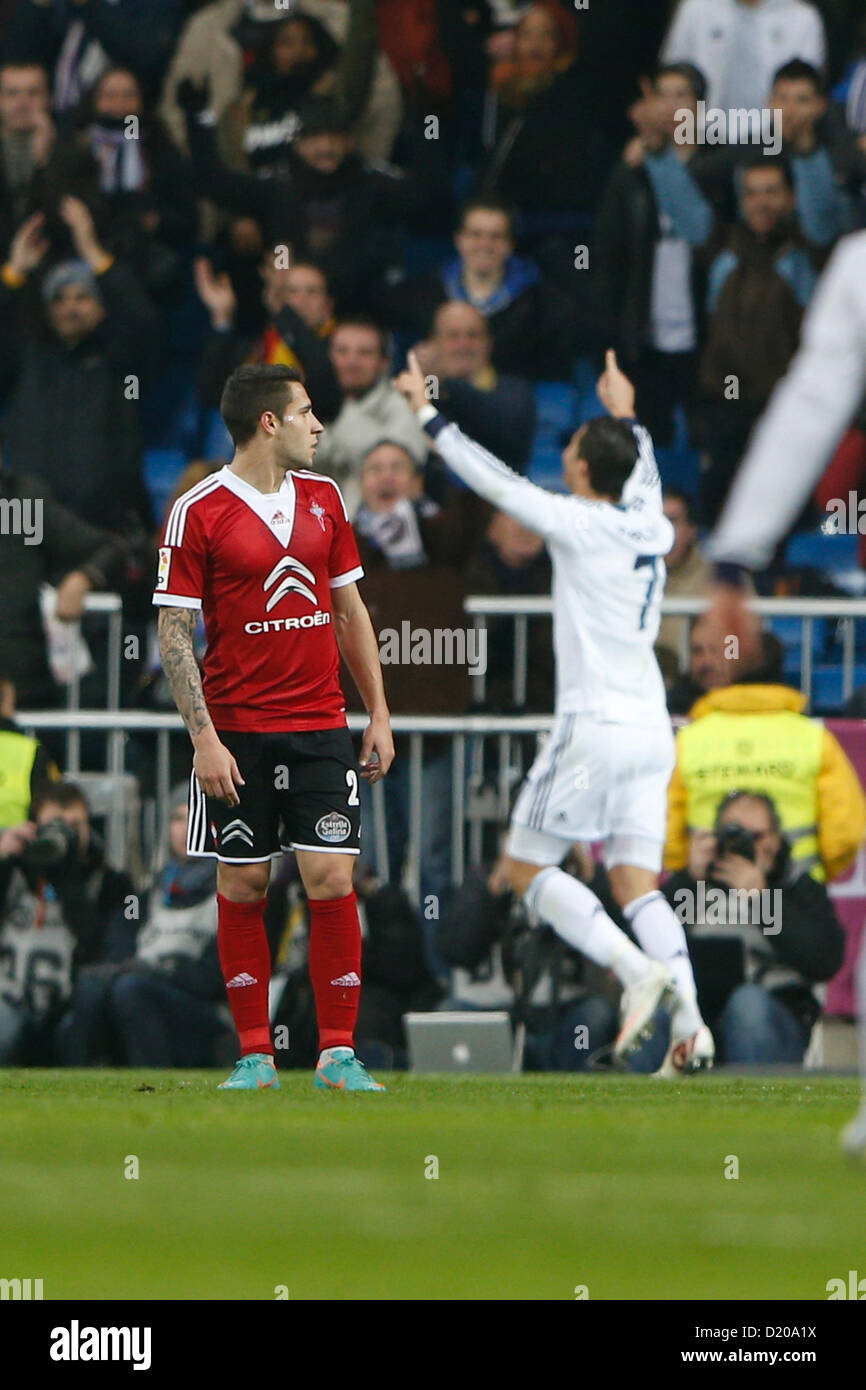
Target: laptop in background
{"x": 461, "y": 1042}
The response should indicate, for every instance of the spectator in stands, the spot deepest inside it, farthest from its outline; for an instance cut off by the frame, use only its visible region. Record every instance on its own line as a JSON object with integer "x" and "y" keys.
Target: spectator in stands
{"x": 77, "y": 42}
{"x": 216, "y": 41}
{"x": 61, "y": 907}
{"x": 326, "y": 203}
{"x": 38, "y": 164}
{"x": 740, "y": 44}
{"x": 710, "y": 668}
{"x": 761, "y": 932}
{"x": 164, "y": 1005}
{"x": 528, "y": 319}
{"x": 52, "y": 545}
{"x": 26, "y": 766}
{"x": 500, "y": 962}
{"x": 754, "y": 734}
{"x": 547, "y": 151}
{"x": 654, "y": 217}
{"x": 688, "y": 574}
{"x": 298, "y": 58}
{"x": 300, "y": 322}
{"x": 496, "y": 411}
{"x": 371, "y": 409}
{"x": 413, "y": 553}
{"x": 73, "y": 390}
{"x": 512, "y": 560}
{"x": 822, "y": 160}
{"x": 760, "y": 281}
{"x": 147, "y": 205}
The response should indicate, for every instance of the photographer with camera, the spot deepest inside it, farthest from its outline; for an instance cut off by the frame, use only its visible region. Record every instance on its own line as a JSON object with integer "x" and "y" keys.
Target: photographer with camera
{"x": 61, "y": 907}
{"x": 760, "y": 933}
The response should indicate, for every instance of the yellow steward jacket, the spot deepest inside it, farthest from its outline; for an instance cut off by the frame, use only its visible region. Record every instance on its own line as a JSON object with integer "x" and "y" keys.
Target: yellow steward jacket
{"x": 756, "y": 738}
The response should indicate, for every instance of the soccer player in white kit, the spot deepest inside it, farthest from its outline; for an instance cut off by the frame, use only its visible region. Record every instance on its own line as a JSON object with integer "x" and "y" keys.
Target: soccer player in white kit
{"x": 791, "y": 446}
{"x": 604, "y": 772}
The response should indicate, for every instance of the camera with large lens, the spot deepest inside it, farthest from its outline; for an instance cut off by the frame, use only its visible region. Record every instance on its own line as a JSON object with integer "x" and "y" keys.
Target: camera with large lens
{"x": 54, "y": 841}
{"x": 736, "y": 839}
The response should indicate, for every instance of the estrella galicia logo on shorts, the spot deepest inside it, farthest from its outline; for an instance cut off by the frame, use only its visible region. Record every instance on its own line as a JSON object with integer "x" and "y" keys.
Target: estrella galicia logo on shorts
{"x": 333, "y": 828}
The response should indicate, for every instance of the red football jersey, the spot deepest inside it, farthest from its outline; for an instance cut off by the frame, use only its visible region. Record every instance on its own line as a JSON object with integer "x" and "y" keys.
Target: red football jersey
{"x": 261, "y": 567}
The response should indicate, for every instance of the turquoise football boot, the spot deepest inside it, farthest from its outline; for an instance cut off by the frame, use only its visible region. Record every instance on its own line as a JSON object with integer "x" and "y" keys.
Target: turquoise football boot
{"x": 255, "y": 1072}
{"x": 344, "y": 1072}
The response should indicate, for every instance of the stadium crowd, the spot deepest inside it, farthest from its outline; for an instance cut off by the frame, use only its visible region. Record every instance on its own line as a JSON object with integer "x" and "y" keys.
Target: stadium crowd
{"x": 508, "y": 189}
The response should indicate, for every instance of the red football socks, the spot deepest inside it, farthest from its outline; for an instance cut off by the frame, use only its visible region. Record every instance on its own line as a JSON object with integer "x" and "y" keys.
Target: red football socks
{"x": 245, "y": 958}
{"x": 335, "y": 967}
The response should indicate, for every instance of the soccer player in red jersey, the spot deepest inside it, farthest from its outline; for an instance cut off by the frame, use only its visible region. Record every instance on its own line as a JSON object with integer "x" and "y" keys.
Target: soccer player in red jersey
{"x": 265, "y": 550}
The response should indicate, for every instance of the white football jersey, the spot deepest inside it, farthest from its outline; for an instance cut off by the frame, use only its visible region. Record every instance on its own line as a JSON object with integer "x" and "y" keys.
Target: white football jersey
{"x": 608, "y": 577}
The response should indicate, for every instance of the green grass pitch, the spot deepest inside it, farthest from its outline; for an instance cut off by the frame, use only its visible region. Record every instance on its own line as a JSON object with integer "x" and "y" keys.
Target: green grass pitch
{"x": 546, "y": 1183}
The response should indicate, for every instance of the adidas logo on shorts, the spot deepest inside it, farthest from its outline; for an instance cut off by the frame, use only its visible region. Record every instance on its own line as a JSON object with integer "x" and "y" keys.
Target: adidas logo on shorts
{"x": 350, "y": 979}
{"x": 243, "y": 979}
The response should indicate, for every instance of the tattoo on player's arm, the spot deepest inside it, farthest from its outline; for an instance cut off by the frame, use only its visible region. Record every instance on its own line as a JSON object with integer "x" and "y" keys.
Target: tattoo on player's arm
{"x": 176, "y": 627}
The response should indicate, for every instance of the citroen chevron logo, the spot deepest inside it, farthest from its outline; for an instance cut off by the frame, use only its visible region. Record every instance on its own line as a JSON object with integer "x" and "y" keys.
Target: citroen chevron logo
{"x": 237, "y": 830}
{"x": 291, "y": 584}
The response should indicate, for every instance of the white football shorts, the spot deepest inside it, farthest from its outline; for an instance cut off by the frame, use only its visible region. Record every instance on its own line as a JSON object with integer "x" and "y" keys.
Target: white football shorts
{"x": 595, "y": 781}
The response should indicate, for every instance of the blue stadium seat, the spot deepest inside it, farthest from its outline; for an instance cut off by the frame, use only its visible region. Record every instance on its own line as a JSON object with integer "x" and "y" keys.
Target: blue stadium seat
{"x": 162, "y": 468}
{"x": 818, "y": 551}
{"x": 827, "y": 685}
{"x": 216, "y": 440}
{"x": 556, "y": 406}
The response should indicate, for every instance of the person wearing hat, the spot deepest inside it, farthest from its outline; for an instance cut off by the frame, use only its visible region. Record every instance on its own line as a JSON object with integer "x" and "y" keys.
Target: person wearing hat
{"x": 73, "y": 388}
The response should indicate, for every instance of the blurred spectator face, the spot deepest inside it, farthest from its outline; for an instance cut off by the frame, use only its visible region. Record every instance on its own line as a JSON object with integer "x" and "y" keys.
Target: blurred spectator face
{"x": 461, "y": 340}
{"x": 75, "y": 815}
{"x": 767, "y": 201}
{"x": 357, "y": 358}
{"x": 306, "y": 291}
{"x": 118, "y": 95}
{"x": 754, "y": 815}
{"x": 24, "y": 97}
{"x": 177, "y": 832}
{"x": 537, "y": 43}
{"x": 800, "y": 103}
{"x": 73, "y": 313}
{"x": 685, "y": 532}
{"x": 325, "y": 152}
{"x": 484, "y": 243}
{"x": 708, "y": 666}
{"x": 673, "y": 94}
{"x": 388, "y": 476}
{"x": 514, "y": 544}
{"x": 294, "y": 44}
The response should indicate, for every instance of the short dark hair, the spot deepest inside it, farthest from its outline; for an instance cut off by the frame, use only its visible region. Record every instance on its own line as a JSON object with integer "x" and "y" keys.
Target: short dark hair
{"x": 609, "y": 449}
{"x": 692, "y": 74}
{"x": 744, "y": 794}
{"x": 62, "y": 794}
{"x": 489, "y": 203}
{"x": 364, "y": 321}
{"x": 252, "y": 389}
{"x": 770, "y": 161}
{"x": 797, "y": 70}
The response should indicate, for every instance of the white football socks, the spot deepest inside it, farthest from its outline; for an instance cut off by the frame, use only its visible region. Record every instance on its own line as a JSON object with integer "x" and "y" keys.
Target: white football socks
{"x": 576, "y": 914}
{"x": 660, "y": 933}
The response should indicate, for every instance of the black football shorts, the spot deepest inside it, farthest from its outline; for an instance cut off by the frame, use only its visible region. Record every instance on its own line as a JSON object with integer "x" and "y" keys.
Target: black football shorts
{"x": 301, "y": 792}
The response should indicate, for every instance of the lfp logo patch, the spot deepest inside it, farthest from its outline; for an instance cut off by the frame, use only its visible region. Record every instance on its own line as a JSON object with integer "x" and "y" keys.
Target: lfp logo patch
{"x": 333, "y": 828}
{"x": 164, "y": 567}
